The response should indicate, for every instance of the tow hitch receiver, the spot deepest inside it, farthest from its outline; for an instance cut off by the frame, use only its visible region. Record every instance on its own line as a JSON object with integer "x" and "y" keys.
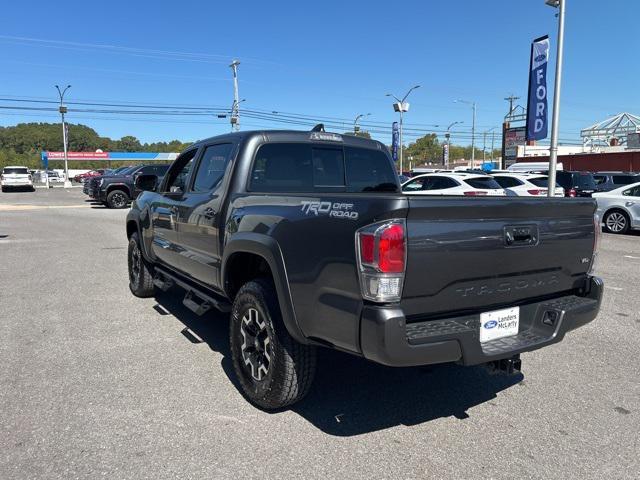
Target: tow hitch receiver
{"x": 506, "y": 366}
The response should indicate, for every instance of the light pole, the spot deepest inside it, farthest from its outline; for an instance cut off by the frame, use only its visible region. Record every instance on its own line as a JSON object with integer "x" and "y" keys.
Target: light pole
{"x": 63, "y": 110}
{"x": 356, "y": 128}
{"x": 448, "y": 137}
{"x": 553, "y": 149}
{"x": 235, "y": 109}
{"x": 473, "y": 129}
{"x": 401, "y": 106}
{"x": 484, "y": 145}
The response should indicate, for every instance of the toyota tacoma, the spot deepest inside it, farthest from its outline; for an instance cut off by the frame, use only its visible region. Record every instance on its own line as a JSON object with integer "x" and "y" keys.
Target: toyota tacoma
{"x": 307, "y": 240}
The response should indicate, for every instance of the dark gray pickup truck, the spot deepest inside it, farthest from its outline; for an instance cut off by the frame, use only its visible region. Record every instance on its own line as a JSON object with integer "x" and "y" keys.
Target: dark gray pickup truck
{"x": 306, "y": 238}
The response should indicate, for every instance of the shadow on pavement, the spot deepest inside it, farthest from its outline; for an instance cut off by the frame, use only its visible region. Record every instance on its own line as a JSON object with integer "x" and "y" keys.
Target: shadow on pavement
{"x": 352, "y": 396}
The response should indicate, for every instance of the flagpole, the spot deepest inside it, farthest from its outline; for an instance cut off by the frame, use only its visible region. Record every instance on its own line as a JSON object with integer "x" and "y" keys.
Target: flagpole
{"x": 553, "y": 149}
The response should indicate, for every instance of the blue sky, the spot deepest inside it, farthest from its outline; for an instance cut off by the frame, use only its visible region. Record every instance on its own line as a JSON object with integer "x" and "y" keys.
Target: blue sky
{"x": 335, "y": 59}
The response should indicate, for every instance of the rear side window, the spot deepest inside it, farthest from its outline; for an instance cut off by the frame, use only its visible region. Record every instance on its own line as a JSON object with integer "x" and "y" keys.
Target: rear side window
{"x": 624, "y": 179}
{"x": 541, "y": 182}
{"x": 482, "y": 182}
{"x": 442, "y": 183}
{"x": 507, "y": 182}
{"x": 304, "y": 167}
{"x": 211, "y": 167}
{"x": 20, "y": 171}
{"x": 599, "y": 179}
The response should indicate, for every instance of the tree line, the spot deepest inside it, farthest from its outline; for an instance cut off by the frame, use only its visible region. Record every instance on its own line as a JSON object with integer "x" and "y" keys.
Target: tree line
{"x": 21, "y": 144}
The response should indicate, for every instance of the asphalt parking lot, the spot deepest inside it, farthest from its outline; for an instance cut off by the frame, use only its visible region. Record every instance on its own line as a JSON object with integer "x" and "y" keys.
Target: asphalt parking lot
{"x": 97, "y": 383}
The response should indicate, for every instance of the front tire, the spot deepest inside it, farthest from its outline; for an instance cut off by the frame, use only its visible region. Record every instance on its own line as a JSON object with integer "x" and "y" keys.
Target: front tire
{"x": 140, "y": 277}
{"x": 616, "y": 222}
{"x": 117, "y": 199}
{"x": 273, "y": 369}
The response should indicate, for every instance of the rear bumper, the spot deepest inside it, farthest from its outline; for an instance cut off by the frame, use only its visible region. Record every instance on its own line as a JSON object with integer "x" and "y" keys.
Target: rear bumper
{"x": 386, "y": 337}
{"x": 16, "y": 183}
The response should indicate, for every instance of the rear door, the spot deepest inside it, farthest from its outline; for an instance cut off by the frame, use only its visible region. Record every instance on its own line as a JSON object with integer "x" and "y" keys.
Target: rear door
{"x": 199, "y": 216}
{"x": 477, "y": 252}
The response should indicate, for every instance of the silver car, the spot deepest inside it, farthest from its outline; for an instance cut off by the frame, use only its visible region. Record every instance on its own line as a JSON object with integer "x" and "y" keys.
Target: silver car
{"x": 619, "y": 209}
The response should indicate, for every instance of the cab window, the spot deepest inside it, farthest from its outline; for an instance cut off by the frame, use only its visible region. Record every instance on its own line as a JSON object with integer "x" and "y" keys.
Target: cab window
{"x": 211, "y": 167}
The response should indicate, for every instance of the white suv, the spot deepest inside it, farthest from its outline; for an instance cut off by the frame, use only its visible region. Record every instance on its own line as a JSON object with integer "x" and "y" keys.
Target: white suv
{"x": 527, "y": 184}
{"x": 453, "y": 183}
{"x": 16, "y": 177}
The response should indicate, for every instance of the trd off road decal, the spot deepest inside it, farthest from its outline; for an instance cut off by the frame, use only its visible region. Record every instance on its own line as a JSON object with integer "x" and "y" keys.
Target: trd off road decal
{"x": 336, "y": 210}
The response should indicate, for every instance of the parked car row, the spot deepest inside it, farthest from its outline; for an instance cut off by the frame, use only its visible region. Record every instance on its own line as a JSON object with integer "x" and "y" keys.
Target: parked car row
{"x": 480, "y": 184}
{"x": 116, "y": 189}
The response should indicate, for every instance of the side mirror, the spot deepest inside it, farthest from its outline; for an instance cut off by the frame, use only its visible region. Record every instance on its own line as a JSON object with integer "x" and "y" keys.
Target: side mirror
{"x": 147, "y": 183}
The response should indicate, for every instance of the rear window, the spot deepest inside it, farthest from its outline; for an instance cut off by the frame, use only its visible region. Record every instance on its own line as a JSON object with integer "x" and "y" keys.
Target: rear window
{"x": 584, "y": 180}
{"x": 303, "y": 167}
{"x": 482, "y": 182}
{"x": 21, "y": 171}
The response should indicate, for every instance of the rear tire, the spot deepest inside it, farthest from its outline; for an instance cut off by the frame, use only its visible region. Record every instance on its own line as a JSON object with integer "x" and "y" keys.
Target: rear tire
{"x": 117, "y": 199}
{"x": 140, "y": 277}
{"x": 616, "y": 221}
{"x": 273, "y": 369}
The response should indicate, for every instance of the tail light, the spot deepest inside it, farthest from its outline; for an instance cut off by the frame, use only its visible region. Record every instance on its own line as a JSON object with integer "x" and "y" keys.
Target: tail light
{"x": 571, "y": 192}
{"x": 475, "y": 193}
{"x": 597, "y": 233}
{"x": 381, "y": 250}
{"x": 537, "y": 192}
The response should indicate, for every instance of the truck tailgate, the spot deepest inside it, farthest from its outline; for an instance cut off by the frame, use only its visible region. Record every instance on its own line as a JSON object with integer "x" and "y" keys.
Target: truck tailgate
{"x": 473, "y": 254}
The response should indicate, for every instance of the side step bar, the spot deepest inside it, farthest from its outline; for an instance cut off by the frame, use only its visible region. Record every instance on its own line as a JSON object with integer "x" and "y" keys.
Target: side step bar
{"x": 195, "y": 299}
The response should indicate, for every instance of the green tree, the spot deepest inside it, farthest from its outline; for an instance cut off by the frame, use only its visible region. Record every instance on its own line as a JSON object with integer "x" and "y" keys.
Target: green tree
{"x": 359, "y": 133}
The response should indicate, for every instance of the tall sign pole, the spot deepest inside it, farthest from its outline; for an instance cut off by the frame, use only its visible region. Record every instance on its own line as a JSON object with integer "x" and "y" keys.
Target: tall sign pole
{"x": 553, "y": 150}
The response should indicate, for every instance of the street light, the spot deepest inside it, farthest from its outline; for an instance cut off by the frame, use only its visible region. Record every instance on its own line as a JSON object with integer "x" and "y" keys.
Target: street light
{"x": 401, "y": 106}
{"x": 473, "y": 129}
{"x": 553, "y": 149}
{"x": 356, "y": 128}
{"x": 63, "y": 109}
{"x": 235, "y": 109}
{"x": 448, "y": 137}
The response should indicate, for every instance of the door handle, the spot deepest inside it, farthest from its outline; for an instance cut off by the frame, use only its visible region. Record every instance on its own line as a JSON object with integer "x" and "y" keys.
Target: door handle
{"x": 628, "y": 204}
{"x": 209, "y": 213}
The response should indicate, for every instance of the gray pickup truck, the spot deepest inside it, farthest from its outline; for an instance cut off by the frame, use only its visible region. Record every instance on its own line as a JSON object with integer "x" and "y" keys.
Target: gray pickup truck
{"x": 306, "y": 238}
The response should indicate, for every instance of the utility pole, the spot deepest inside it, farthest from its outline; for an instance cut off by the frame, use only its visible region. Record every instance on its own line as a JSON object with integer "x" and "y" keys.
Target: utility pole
{"x": 493, "y": 139}
{"x": 511, "y": 98}
{"x": 63, "y": 109}
{"x": 553, "y": 149}
{"x": 235, "y": 109}
{"x": 401, "y": 106}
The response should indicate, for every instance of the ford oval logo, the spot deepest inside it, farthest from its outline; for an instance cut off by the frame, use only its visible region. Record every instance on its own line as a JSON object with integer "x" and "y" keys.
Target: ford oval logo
{"x": 490, "y": 324}
{"x": 541, "y": 58}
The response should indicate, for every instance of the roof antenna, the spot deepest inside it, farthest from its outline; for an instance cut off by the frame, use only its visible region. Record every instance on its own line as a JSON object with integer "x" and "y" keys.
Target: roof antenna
{"x": 318, "y": 128}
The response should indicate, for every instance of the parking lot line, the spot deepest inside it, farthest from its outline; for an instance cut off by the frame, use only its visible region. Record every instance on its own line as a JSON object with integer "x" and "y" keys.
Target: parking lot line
{"x": 18, "y": 207}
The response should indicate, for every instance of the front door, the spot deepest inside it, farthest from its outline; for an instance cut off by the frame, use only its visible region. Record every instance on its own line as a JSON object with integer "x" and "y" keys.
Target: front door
{"x": 165, "y": 242}
{"x": 200, "y": 218}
